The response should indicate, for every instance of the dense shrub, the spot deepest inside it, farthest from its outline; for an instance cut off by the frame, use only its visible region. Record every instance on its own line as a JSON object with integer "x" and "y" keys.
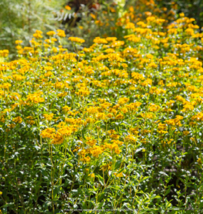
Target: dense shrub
{"x": 117, "y": 125}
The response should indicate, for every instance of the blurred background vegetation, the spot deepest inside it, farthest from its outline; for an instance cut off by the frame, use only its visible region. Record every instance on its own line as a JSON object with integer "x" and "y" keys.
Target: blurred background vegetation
{"x": 19, "y": 19}
{"x": 191, "y": 8}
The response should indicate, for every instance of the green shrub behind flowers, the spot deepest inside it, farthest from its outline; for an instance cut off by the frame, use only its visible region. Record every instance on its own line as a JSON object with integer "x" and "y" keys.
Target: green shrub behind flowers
{"x": 117, "y": 125}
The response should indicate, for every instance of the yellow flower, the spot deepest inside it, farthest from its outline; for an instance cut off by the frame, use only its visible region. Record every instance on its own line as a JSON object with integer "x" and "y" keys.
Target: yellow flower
{"x": 48, "y": 133}
{"x": 130, "y": 25}
{"x": 131, "y": 138}
{"x": 92, "y": 175}
{"x": 123, "y": 100}
{"x": 92, "y": 15}
{"x": 18, "y": 119}
{"x": 91, "y": 142}
{"x": 118, "y": 175}
{"x": 76, "y": 39}
{"x": 85, "y": 159}
{"x": 17, "y": 42}
{"x": 199, "y": 161}
{"x": 181, "y": 14}
{"x": 48, "y": 116}
{"x": 54, "y": 49}
{"x": 112, "y": 10}
{"x": 51, "y": 33}
{"x": 61, "y": 33}
{"x": 99, "y": 40}
{"x": 38, "y": 34}
{"x": 66, "y": 109}
{"x": 53, "y": 39}
{"x": 58, "y": 139}
{"x": 34, "y": 98}
{"x": 67, "y": 7}
{"x": 4, "y": 53}
{"x": 96, "y": 151}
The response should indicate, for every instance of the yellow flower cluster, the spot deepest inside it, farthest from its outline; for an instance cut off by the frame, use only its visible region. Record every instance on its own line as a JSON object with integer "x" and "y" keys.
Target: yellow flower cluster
{"x": 109, "y": 99}
{"x": 61, "y": 33}
{"x": 38, "y": 34}
{"x": 4, "y": 53}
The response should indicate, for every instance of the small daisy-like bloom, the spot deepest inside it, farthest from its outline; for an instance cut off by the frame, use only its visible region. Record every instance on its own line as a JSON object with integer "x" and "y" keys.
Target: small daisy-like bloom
{"x": 93, "y": 16}
{"x": 17, "y": 42}
{"x": 48, "y": 116}
{"x": 76, "y": 39}
{"x": 51, "y": 33}
{"x": 58, "y": 139}
{"x": 199, "y": 161}
{"x": 38, "y": 34}
{"x": 48, "y": 133}
{"x": 181, "y": 14}
{"x": 4, "y": 53}
{"x": 99, "y": 40}
{"x": 118, "y": 175}
{"x": 53, "y": 39}
{"x": 92, "y": 175}
{"x": 61, "y": 33}
{"x": 67, "y": 7}
{"x": 18, "y": 119}
{"x": 66, "y": 108}
{"x": 54, "y": 49}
